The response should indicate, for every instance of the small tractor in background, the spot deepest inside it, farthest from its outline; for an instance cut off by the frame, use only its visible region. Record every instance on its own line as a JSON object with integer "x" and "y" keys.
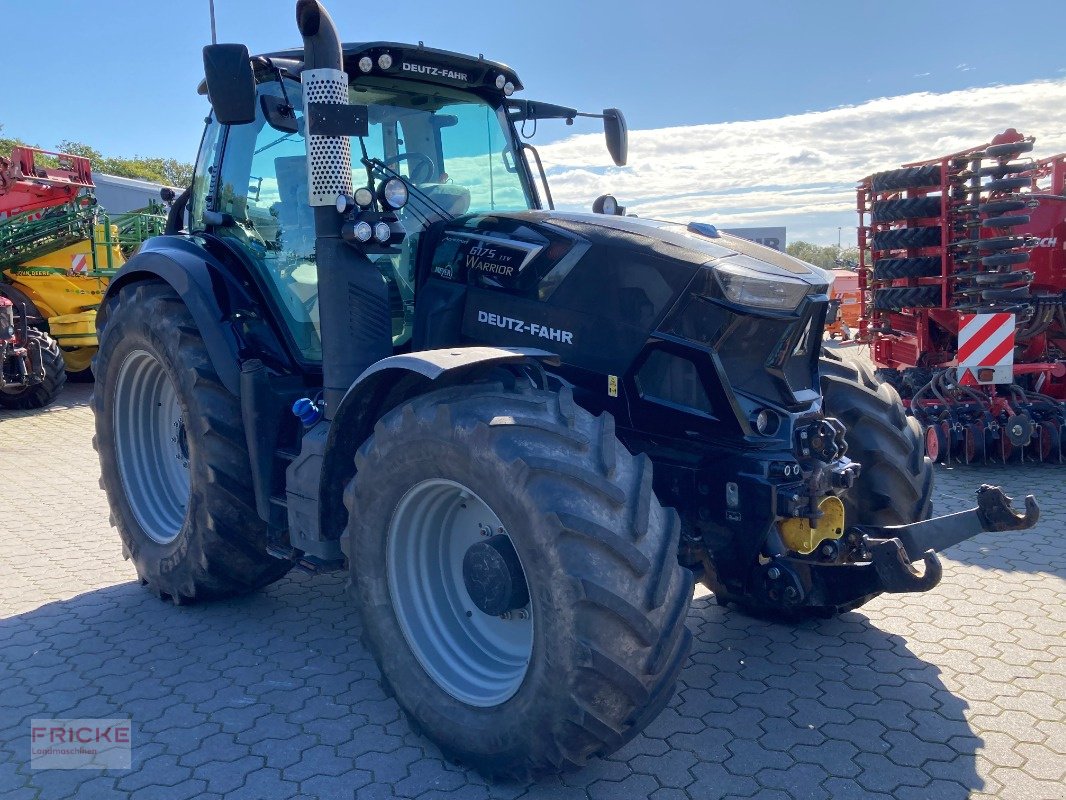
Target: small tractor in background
{"x": 58, "y": 248}
{"x": 31, "y": 366}
{"x": 962, "y": 275}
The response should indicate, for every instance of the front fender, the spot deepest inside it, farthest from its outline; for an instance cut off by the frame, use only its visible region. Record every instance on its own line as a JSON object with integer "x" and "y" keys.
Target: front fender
{"x": 381, "y": 387}
{"x": 229, "y": 318}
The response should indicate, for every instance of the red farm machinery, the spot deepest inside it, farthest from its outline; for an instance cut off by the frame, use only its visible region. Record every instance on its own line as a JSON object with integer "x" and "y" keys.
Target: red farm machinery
{"x": 59, "y": 249}
{"x": 962, "y": 275}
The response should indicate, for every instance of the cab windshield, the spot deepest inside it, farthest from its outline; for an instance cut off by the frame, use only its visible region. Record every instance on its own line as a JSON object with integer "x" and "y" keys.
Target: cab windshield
{"x": 450, "y": 144}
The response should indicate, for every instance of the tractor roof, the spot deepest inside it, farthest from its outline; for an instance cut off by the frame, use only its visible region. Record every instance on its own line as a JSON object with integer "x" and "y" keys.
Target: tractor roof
{"x": 416, "y": 61}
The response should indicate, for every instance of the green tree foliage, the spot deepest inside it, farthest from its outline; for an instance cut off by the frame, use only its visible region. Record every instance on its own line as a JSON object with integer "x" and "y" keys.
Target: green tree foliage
{"x": 824, "y": 256}
{"x": 168, "y": 171}
{"x": 158, "y": 170}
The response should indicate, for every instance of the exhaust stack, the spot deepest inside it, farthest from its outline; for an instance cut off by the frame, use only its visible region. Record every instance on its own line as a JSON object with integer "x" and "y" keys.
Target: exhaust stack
{"x": 355, "y": 322}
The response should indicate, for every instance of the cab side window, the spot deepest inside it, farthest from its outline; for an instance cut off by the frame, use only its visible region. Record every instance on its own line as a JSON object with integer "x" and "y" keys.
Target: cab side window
{"x": 262, "y": 187}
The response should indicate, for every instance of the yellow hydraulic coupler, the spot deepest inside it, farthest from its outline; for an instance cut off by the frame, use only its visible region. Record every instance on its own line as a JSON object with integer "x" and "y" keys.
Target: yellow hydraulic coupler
{"x": 800, "y": 537}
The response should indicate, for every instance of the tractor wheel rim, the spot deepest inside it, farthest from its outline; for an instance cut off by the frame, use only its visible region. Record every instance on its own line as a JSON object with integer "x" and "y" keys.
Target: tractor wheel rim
{"x": 151, "y": 446}
{"x": 477, "y": 658}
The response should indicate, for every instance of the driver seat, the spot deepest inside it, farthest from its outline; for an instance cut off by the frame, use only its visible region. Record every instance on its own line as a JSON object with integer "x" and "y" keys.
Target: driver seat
{"x": 452, "y": 197}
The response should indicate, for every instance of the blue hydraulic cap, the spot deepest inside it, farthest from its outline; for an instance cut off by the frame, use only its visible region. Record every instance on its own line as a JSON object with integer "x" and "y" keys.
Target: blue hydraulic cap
{"x": 307, "y": 412}
{"x": 704, "y": 229}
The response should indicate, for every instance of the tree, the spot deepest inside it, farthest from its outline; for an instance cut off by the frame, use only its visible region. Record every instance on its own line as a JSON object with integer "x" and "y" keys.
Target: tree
{"x": 824, "y": 256}
{"x": 158, "y": 170}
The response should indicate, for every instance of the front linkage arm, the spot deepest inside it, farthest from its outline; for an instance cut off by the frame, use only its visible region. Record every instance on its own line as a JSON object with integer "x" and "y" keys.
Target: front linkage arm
{"x": 894, "y": 548}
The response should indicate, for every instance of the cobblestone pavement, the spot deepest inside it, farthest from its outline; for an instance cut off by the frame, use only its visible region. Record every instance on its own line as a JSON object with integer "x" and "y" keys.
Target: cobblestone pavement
{"x": 958, "y": 692}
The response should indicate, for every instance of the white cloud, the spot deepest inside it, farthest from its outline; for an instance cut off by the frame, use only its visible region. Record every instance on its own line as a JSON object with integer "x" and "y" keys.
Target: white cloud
{"x": 799, "y": 170}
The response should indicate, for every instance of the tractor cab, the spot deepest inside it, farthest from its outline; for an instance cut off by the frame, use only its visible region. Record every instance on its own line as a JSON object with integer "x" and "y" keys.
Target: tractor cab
{"x": 440, "y": 122}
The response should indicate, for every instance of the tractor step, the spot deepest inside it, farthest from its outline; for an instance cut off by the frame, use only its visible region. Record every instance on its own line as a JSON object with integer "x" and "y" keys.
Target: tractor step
{"x": 304, "y": 562}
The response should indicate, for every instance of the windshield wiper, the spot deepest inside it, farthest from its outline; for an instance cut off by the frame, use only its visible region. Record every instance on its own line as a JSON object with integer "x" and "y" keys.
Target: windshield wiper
{"x": 422, "y": 195}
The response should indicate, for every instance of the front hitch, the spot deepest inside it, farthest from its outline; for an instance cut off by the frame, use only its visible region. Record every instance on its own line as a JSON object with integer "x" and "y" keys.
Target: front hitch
{"x": 894, "y": 548}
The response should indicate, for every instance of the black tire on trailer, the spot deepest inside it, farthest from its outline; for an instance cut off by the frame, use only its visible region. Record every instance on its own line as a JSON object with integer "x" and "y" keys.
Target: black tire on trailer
{"x": 173, "y": 457}
{"x": 906, "y": 238}
{"x": 890, "y": 269}
{"x": 906, "y": 208}
{"x": 896, "y": 298}
{"x": 1007, "y": 184}
{"x": 906, "y": 178}
{"x": 40, "y": 394}
{"x": 1005, "y": 259}
{"x": 606, "y": 599}
{"x": 1008, "y": 150}
{"x": 1008, "y": 221}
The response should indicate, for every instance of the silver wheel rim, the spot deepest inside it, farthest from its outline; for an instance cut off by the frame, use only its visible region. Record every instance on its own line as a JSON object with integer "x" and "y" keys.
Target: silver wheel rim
{"x": 478, "y": 659}
{"x": 151, "y": 446}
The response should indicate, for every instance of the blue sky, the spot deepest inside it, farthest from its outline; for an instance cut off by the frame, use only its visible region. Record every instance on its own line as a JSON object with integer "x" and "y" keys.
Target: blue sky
{"x": 121, "y": 75}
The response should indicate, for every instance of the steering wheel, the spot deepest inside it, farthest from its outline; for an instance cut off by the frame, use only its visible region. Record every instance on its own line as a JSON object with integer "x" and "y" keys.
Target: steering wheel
{"x": 418, "y": 163}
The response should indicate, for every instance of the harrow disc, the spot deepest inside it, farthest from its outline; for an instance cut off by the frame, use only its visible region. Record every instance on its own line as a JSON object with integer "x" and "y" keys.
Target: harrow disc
{"x": 1006, "y": 221}
{"x": 1007, "y": 184}
{"x": 1008, "y": 149}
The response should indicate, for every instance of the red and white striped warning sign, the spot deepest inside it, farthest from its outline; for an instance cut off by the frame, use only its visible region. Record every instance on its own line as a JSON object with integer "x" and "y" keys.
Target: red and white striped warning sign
{"x": 79, "y": 263}
{"x": 986, "y": 348}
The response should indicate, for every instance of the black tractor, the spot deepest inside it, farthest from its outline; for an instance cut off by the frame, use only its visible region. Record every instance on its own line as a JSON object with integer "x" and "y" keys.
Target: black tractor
{"x": 367, "y": 341}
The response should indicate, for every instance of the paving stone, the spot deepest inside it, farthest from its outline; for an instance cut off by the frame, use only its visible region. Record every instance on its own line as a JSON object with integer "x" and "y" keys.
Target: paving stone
{"x": 950, "y": 694}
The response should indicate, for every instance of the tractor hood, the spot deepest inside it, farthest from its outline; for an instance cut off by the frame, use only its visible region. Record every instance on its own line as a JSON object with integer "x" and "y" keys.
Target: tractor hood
{"x": 527, "y": 250}
{"x": 693, "y": 242}
{"x": 607, "y": 292}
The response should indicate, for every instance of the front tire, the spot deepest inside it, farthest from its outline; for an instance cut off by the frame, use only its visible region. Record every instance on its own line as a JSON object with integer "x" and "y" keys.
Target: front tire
{"x": 173, "y": 458}
{"x": 603, "y": 636}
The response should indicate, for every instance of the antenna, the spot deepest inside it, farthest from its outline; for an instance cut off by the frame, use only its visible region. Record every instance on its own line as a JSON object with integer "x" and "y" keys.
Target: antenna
{"x": 214, "y": 38}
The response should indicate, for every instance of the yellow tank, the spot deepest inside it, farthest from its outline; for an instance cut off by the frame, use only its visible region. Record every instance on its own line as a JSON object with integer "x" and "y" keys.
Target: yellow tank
{"x": 67, "y": 288}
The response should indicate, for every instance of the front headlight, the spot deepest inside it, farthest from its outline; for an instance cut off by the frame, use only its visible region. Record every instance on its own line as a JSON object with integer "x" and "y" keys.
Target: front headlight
{"x": 750, "y": 287}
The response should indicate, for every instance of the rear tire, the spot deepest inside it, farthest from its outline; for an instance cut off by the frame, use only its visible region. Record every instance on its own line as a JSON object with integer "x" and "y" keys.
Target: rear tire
{"x": 173, "y": 458}
{"x": 38, "y": 395}
{"x": 607, "y": 598}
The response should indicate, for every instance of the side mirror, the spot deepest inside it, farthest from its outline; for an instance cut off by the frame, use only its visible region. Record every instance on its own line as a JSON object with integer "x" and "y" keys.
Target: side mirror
{"x": 614, "y": 128}
{"x": 167, "y": 195}
{"x": 230, "y": 83}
